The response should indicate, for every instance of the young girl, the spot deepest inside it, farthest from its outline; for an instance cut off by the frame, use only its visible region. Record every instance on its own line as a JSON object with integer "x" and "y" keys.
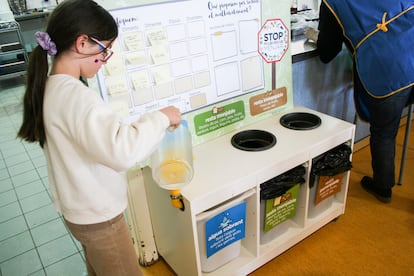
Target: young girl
{"x": 87, "y": 149}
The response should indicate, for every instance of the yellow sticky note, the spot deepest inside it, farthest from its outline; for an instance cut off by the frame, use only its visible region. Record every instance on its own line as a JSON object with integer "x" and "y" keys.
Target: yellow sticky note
{"x": 156, "y": 36}
{"x": 159, "y": 54}
{"x": 116, "y": 84}
{"x": 114, "y": 67}
{"x": 136, "y": 58}
{"x": 161, "y": 74}
{"x": 140, "y": 80}
{"x": 133, "y": 41}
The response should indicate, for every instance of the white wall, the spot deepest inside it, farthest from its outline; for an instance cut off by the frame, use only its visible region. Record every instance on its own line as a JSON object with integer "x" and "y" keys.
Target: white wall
{"x": 40, "y": 4}
{"x": 308, "y": 4}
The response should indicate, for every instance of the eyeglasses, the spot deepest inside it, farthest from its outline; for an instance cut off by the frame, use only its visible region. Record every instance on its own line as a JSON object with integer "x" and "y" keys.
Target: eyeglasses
{"x": 106, "y": 52}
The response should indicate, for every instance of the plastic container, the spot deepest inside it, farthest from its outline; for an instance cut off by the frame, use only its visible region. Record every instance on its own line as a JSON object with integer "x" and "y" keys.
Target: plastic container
{"x": 220, "y": 231}
{"x": 172, "y": 162}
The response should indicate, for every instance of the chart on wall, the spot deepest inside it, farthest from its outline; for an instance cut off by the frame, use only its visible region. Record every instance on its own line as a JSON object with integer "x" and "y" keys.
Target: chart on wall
{"x": 189, "y": 54}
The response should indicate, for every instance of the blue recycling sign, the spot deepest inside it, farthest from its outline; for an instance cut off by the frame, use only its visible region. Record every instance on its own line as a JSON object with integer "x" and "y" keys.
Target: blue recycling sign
{"x": 225, "y": 228}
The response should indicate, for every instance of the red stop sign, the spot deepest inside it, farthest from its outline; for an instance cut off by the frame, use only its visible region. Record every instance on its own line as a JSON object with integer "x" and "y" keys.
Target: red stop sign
{"x": 273, "y": 40}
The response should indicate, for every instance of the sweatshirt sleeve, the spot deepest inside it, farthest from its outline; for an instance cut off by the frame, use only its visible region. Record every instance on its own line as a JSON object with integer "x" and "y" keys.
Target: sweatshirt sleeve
{"x": 117, "y": 145}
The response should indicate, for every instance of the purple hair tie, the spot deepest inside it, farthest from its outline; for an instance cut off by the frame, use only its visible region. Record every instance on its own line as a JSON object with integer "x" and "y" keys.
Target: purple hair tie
{"x": 44, "y": 40}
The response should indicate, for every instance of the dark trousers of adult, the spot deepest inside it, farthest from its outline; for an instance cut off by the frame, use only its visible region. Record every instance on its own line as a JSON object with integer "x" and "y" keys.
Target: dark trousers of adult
{"x": 385, "y": 116}
{"x": 107, "y": 247}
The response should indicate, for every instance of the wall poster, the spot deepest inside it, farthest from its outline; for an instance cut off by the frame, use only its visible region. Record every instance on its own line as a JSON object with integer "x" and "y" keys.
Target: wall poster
{"x": 188, "y": 53}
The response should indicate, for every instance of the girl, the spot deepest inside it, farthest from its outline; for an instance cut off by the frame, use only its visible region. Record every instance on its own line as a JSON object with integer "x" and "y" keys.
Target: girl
{"x": 86, "y": 147}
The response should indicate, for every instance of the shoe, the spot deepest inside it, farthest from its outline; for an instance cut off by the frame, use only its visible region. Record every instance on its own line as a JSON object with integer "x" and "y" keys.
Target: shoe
{"x": 383, "y": 195}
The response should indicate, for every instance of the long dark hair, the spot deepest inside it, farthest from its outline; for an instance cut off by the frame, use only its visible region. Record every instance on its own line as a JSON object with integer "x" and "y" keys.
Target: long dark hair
{"x": 68, "y": 20}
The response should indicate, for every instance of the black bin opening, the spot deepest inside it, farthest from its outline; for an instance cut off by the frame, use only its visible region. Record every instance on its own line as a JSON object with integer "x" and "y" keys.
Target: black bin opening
{"x": 253, "y": 140}
{"x": 300, "y": 121}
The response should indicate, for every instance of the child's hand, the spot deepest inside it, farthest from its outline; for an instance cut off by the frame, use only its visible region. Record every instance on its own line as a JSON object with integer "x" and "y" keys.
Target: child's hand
{"x": 173, "y": 114}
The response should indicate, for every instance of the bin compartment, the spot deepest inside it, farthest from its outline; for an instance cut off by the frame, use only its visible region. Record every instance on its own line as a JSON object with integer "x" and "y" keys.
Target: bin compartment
{"x": 220, "y": 231}
{"x": 328, "y": 171}
{"x": 276, "y": 214}
{"x": 278, "y": 203}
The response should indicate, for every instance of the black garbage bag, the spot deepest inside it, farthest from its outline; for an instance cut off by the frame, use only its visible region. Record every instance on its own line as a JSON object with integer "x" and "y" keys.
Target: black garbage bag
{"x": 278, "y": 185}
{"x": 331, "y": 163}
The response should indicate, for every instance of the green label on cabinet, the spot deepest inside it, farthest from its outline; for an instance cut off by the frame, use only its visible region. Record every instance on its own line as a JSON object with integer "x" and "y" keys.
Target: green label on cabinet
{"x": 281, "y": 208}
{"x": 219, "y": 117}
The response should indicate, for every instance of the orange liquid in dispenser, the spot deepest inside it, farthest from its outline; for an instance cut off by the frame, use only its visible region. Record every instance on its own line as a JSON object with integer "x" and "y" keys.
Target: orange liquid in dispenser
{"x": 174, "y": 173}
{"x": 171, "y": 163}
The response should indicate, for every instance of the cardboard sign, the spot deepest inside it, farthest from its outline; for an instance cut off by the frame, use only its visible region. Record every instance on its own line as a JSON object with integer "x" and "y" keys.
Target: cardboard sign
{"x": 328, "y": 186}
{"x": 267, "y": 101}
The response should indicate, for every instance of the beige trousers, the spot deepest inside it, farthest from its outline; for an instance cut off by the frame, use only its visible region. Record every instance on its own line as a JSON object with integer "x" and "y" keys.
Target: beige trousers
{"x": 107, "y": 247}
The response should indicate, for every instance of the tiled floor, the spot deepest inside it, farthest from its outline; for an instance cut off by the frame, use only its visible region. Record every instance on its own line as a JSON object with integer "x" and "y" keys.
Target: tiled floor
{"x": 33, "y": 237}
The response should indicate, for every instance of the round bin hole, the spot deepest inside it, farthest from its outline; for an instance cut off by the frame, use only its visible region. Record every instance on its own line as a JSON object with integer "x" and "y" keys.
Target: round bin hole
{"x": 300, "y": 121}
{"x": 253, "y": 140}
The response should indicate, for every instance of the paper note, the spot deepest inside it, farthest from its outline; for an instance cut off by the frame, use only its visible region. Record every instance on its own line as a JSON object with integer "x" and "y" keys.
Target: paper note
{"x": 156, "y": 37}
{"x": 161, "y": 74}
{"x": 133, "y": 41}
{"x": 198, "y": 100}
{"x": 114, "y": 66}
{"x": 116, "y": 84}
{"x": 136, "y": 58}
{"x": 140, "y": 80}
{"x": 159, "y": 54}
{"x": 120, "y": 104}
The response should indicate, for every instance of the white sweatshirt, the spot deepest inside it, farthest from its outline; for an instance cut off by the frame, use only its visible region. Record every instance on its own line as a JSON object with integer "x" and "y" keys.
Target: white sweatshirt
{"x": 88, "y": 150}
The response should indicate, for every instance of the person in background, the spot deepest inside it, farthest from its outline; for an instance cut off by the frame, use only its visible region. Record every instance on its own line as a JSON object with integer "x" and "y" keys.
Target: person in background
{"x": 380, "y": 37}
{"x": 88, "y": 150}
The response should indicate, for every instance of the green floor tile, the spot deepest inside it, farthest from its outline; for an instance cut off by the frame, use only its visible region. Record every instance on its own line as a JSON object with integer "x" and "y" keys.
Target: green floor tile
{"x": 35, "y": 201}
{"x": 20, "y": 168}
{"x": 17, "y": 158}
{"x": 12, "y": 227}
{"x": 73, "y": 265}
{"x": 30, "y": 189}
{"x": 25, "y": 178}
{"x": 24, "y": 264}
{"x": 56, "y": 250}
{"x": 41, "y": 215}
{"x": 48, "y": 231}
{"x": 7, "y": 197}
{"x": 10, "y": 211}
{"x": 4, "y": 173}
{"x": 15, "y": 246}
{"x": 5, "y": 185}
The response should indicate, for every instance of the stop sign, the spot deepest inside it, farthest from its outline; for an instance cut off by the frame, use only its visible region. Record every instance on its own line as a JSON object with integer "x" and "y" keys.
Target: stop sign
{"x": 273, "y": 39}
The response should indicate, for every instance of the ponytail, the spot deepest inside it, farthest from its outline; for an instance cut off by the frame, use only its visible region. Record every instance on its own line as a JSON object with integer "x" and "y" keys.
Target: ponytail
{"x": 32, "y": 129}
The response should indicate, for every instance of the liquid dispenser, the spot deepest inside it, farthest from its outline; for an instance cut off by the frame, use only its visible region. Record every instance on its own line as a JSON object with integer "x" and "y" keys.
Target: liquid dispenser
{"x": 172, "y": 162}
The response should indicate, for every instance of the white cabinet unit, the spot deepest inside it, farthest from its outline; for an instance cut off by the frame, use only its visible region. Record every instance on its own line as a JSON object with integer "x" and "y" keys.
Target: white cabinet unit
{"x": 224, "y": 174}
